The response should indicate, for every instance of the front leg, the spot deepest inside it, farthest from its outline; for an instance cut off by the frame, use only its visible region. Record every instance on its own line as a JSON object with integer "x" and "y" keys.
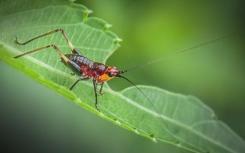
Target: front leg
{"x": 95, "y": 94}
{"x": 101, "y": 89}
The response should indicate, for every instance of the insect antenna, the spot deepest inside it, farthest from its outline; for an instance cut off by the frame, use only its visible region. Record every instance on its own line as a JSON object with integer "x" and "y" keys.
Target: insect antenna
{"x": 163, "y": 58}
{"x": 132, "y": 83}
{"x": 180, "y": 51}
{"x": 152, "y": 104}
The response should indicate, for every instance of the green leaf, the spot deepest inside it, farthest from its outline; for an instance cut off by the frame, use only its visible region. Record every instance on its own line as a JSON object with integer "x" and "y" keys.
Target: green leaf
{"x": 183, "y": 121}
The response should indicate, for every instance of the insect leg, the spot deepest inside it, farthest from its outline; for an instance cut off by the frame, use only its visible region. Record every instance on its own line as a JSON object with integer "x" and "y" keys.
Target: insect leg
{"x": 62, "y": 56}
{"x": 95, "y": 94}
{"x": 101, "y": 88}
{"x": 73, "y": 85}
{"x": 49, "y": 33}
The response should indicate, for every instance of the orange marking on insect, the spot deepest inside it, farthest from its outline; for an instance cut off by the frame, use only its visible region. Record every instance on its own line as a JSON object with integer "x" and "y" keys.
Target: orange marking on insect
{"x": 104, "y": 77}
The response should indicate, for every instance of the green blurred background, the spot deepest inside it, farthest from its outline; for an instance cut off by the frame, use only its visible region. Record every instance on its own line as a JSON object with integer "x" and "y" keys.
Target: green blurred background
{"x": 36, "y": 119}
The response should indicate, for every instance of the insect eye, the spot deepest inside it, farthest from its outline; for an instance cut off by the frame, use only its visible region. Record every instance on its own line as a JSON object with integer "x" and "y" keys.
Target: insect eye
{"x": 110, "y": 74}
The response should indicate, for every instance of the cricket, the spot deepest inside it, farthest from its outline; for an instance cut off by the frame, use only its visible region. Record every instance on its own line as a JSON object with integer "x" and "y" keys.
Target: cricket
{"x": 81, "y": 65}
{"x": 87, "y": 69}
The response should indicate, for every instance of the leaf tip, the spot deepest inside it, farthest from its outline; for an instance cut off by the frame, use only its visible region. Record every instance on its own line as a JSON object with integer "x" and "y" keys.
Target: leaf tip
{"x": 116, "y": 39}
{"x": 98, "y": 23}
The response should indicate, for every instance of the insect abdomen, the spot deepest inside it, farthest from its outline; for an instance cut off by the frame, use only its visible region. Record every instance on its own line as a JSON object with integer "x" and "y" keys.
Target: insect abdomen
{"x": 87, "y": 67}
{"x": 81, "y": 60}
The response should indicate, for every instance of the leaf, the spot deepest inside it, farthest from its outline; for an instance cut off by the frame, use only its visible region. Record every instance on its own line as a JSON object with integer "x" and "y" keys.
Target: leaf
{"x": 183, "y": 121}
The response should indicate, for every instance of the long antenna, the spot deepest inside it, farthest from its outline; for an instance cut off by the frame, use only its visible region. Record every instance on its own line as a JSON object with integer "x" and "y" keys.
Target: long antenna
{"x": 120, "y": 76}
{"x": 181, "y": 51}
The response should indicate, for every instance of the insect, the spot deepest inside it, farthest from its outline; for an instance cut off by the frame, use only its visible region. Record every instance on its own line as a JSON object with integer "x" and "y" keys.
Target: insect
{"x": 88, "y": 69}
{"x": 80, "y": 65}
